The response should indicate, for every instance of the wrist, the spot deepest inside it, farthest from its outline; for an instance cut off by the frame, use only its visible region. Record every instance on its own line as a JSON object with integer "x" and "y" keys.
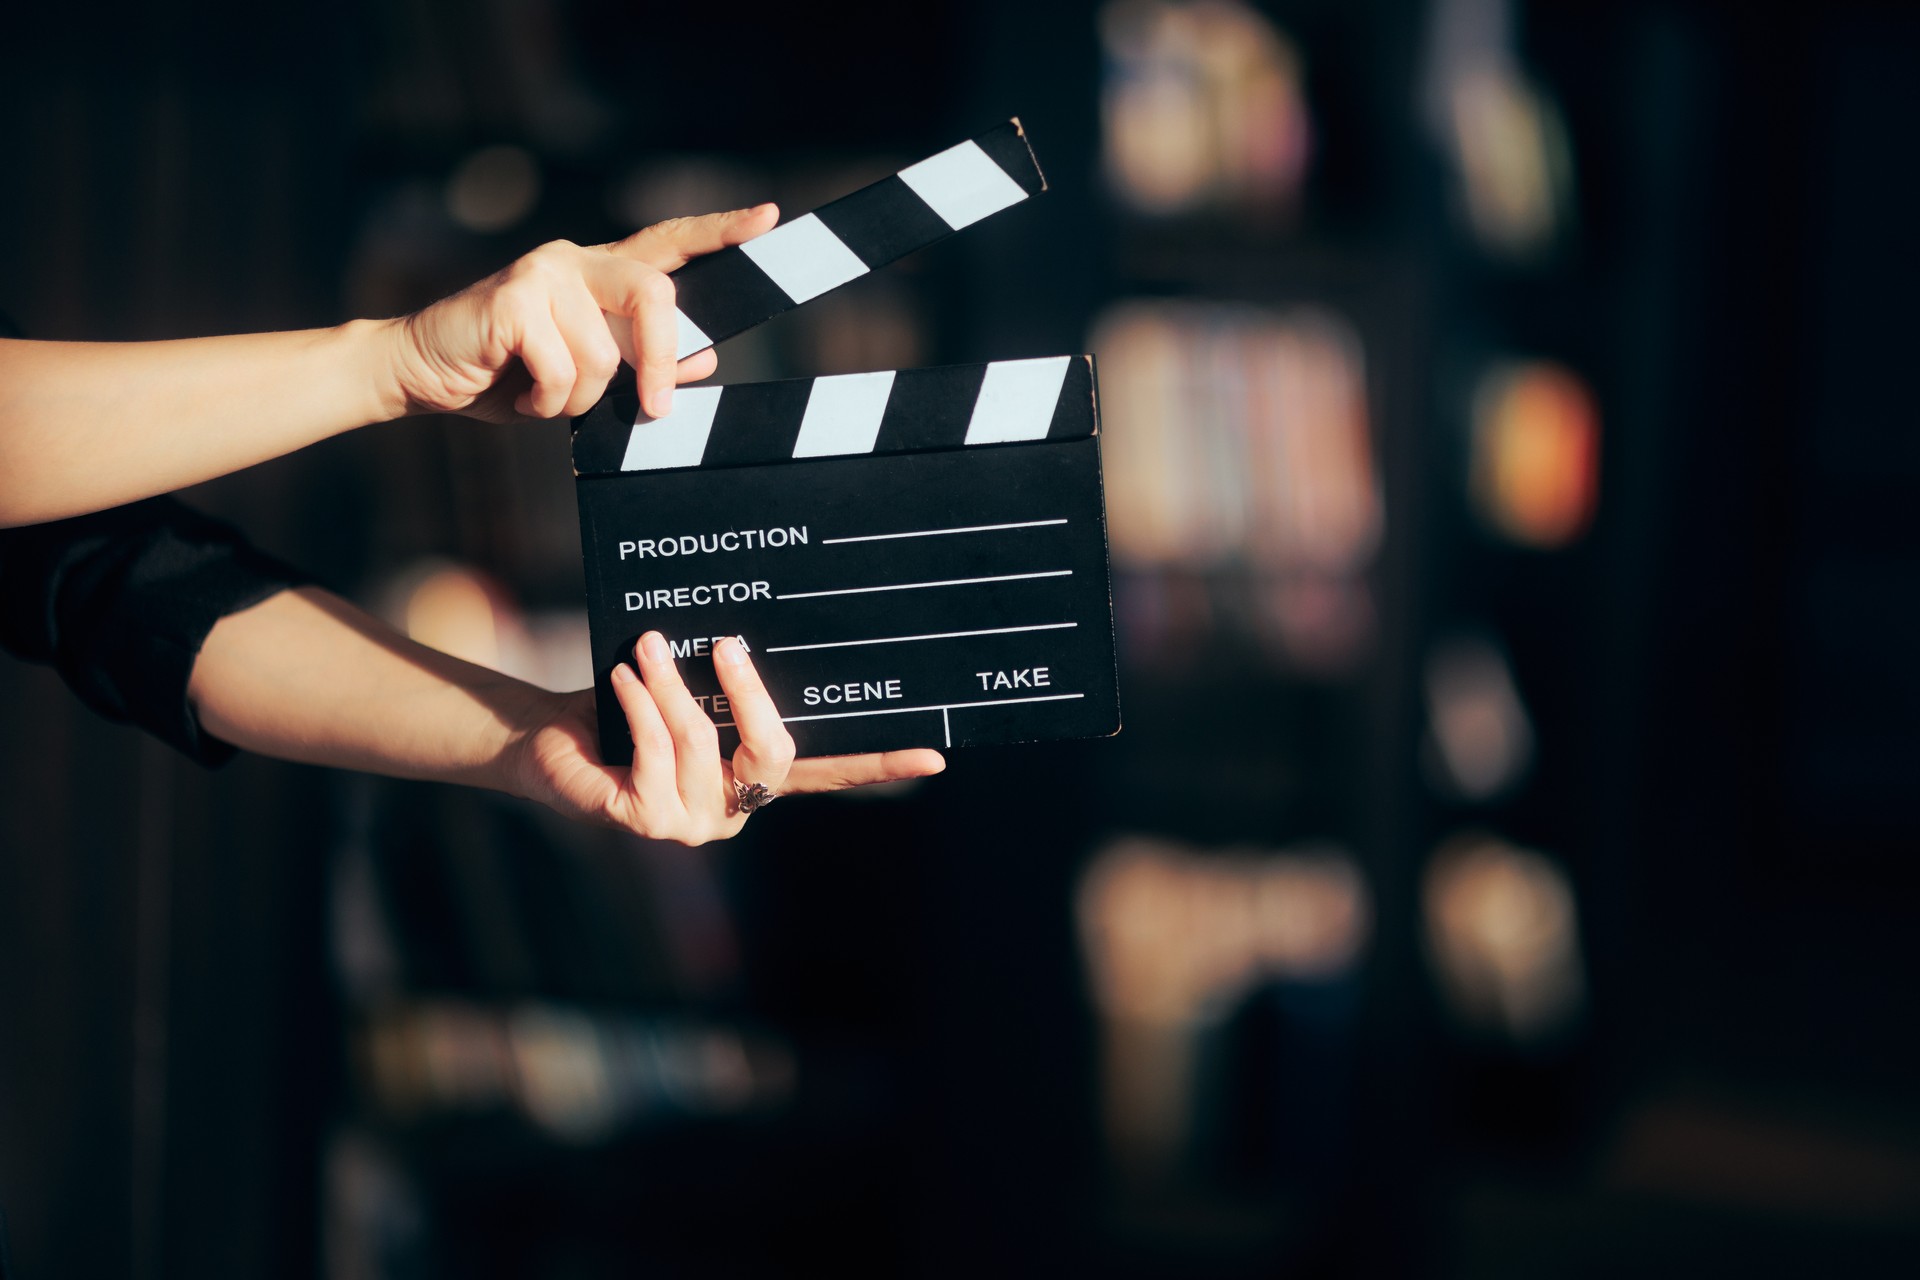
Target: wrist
{"x": 380, "y": 363}
{"x": 520, "y": 714}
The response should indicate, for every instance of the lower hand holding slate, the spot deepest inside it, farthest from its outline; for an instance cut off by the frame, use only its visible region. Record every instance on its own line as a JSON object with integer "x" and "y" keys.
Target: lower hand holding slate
{"x": 678, "y": 785}
{"x": 306, "y": 676}
{"x": 90, "y": 425}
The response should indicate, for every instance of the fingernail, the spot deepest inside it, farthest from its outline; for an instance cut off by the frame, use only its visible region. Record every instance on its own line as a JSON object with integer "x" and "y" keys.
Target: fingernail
{"x": 662, "y": 402}
{"x": 732, "y": 652}
{"x": 654, "y": 645}
{"x": 623, "y": 674}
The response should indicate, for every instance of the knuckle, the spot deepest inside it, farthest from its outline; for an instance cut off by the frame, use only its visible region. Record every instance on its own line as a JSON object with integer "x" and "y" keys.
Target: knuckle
{"x": 656, "y": 288}
{"x": 771, "y": 751}
{"x": 599, "y": 361}
{"x": 656, "y": 738}
{"x": 538, "y": 269}
{"x": 528, "y": 274}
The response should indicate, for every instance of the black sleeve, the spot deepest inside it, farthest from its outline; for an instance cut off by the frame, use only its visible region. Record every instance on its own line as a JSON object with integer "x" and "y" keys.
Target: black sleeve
{"x": 120, "y": 602}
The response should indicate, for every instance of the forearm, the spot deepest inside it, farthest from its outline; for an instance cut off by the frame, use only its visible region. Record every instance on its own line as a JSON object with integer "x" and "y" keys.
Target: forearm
{"x": 306, "y": 676}
{"x": 86, "y": 425}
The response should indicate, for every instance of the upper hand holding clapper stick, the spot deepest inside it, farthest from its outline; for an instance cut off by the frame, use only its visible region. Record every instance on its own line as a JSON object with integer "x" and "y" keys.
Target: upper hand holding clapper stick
{"x": 918, "y": 557}
{"x": 90, "y": 425}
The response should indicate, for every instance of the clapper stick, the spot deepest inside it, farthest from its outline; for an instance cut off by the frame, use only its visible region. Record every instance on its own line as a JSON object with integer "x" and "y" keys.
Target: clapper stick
{"x": 892, "y": 411}
{"x": 728, "y": 292}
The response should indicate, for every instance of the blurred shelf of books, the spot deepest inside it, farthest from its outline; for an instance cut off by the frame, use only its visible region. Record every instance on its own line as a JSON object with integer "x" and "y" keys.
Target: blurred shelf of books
{"x": 1307, "y": 506}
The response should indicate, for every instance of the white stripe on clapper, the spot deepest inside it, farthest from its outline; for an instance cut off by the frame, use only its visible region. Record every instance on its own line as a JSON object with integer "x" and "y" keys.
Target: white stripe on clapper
{"x": 962, "y": 184}
{"x": 1017, "y": 400}
{"x": 677, "y": 440}
{"x": 804, "y": 258}
{"x": 692, "y": 339}
{"x": 843, "y": 414}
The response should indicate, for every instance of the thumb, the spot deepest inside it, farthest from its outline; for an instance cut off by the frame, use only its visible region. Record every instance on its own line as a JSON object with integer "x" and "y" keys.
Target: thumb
{"x": 837, "y": 773}
{"x": 669, "y": 245}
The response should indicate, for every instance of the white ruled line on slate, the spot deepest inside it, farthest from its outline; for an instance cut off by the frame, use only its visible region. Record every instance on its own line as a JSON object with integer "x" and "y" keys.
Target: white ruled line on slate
{"x": 942, "y": 707}
{"x": 910, "y": 586}
{"x": 934, "y": 533}
{"x": 931, "y": 635}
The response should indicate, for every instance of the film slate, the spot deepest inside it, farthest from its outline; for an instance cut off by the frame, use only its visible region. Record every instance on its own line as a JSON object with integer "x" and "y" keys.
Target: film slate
{"x": 729, "y": 292}
{"x": 914, "y": 558}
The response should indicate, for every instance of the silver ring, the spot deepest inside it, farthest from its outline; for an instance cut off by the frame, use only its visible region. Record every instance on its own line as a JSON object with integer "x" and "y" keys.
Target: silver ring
{"x": 752, "y": 795}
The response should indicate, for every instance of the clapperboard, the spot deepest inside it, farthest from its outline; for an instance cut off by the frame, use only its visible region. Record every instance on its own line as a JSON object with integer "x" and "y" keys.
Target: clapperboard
{"x": 914, "y": 557}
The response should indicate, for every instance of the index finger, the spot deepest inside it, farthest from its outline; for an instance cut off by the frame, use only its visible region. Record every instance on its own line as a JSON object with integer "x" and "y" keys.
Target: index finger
{"x": 670, "y": 245}
{"x": 640, "y": 300}
{"x": 656, "y": 332}
{"x": 766, "y": 747}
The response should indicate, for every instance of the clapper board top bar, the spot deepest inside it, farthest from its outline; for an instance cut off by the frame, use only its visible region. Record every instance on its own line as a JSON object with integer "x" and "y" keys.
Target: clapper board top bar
{"x": 893, "y": 411}
{"x": 729, "y": 292}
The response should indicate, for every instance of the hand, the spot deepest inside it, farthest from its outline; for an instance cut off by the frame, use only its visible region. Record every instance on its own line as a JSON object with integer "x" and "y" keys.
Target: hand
{"x": 531, "y": 341}
{"x": 678, "y": 788}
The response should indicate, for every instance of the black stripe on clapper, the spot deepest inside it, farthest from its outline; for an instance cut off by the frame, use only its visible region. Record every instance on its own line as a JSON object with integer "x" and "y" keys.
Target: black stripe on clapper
{"x": 725, "y": 293}
{"x": 930, "y": 408}
{"x": 1073, "y": 416}
{"x": 882, "y": 222}
{"x": 757, "y": 421}
{"x": 1008, "y": 147}
{"x": 600, "y": 434}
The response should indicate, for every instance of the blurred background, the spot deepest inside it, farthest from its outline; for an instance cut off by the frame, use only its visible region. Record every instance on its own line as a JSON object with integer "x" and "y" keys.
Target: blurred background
{"x": 1508, "y": 866}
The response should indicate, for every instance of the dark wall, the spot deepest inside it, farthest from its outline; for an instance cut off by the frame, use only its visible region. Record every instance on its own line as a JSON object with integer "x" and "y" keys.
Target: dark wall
{"x": 1723, "y": 674}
